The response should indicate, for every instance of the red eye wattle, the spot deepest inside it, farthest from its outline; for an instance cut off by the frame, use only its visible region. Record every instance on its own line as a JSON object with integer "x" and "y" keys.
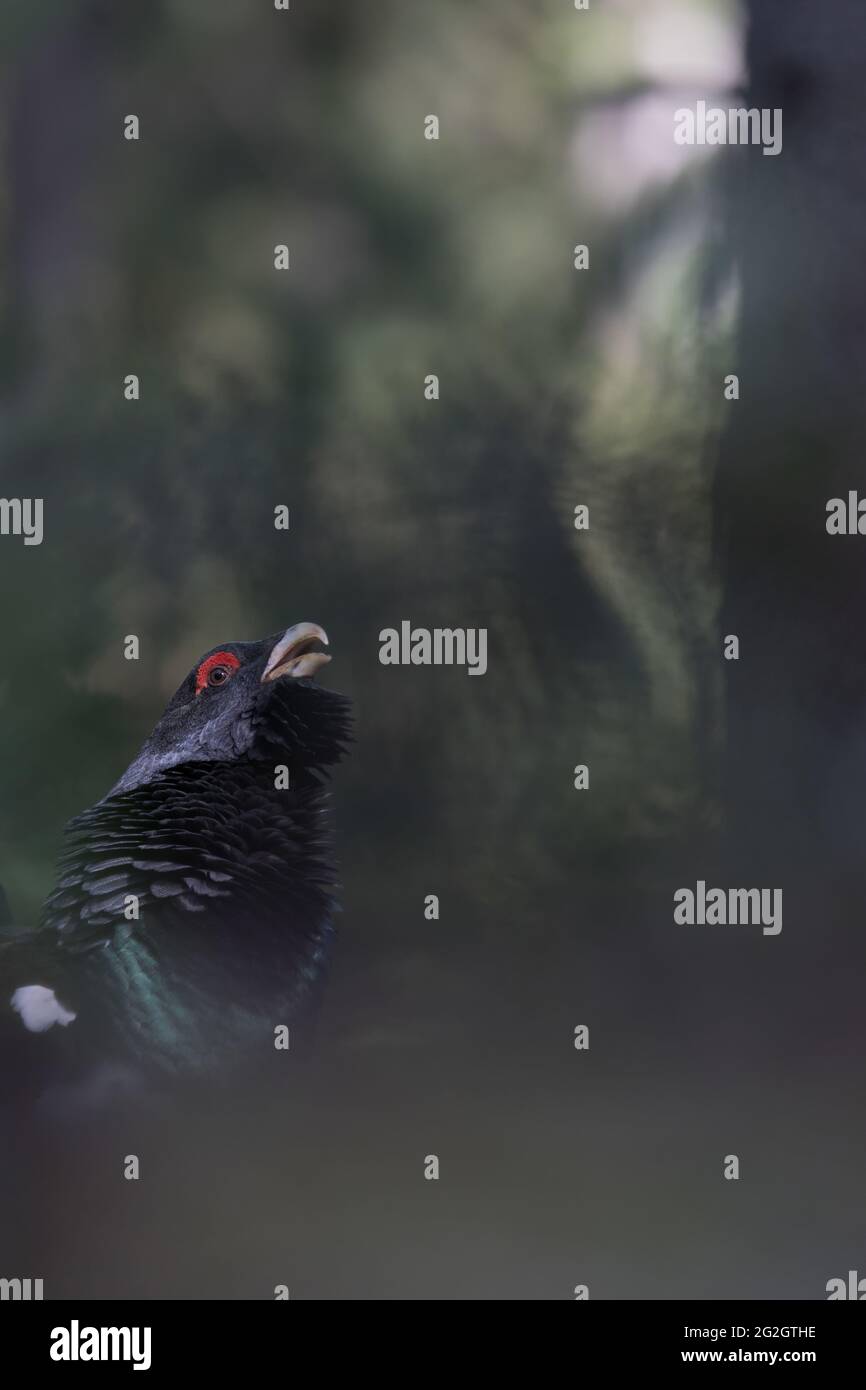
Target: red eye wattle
{"x": 215, "y": 670}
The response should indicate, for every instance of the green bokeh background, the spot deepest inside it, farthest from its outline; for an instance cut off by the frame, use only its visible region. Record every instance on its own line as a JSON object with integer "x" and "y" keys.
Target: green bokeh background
{"x": 558, "y": 388}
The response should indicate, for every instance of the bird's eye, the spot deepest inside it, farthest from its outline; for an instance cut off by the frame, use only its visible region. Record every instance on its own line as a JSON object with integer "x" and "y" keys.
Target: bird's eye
{"x": 216, "y": 670}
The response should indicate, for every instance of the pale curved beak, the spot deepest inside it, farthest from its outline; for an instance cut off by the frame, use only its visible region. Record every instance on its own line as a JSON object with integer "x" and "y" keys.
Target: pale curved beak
{"x": 294, "y": 655}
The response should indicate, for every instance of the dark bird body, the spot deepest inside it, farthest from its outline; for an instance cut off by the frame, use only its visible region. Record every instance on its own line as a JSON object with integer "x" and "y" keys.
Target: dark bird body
{"x": 194, "y": 904}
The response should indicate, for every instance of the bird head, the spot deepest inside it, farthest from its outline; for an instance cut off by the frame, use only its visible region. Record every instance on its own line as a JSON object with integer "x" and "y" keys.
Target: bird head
{"x": 250, "y": 702}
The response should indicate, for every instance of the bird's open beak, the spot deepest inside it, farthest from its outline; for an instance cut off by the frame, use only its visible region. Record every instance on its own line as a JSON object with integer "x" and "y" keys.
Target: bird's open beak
{"x": 295, "y": 655}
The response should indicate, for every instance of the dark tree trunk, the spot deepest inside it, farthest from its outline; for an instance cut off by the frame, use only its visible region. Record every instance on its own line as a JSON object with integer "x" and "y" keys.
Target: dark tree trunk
{"x": 59, "y": 272}
{"x": 794, "y": 595}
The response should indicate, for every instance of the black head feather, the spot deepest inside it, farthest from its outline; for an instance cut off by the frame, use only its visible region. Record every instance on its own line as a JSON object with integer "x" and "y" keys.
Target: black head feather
{"x": 253, "y": 714}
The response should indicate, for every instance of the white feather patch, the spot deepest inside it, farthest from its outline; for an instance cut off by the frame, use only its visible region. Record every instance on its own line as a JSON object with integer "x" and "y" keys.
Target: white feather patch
{"x": 40, "y": 1008}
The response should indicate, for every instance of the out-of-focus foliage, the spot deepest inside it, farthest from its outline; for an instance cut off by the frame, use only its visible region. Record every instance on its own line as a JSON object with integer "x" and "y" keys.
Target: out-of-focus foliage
{"x": 407, "y": 257}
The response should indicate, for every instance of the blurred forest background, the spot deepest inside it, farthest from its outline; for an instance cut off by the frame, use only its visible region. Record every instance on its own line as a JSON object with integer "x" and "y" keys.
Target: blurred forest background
{"x": 558, "y": 387}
